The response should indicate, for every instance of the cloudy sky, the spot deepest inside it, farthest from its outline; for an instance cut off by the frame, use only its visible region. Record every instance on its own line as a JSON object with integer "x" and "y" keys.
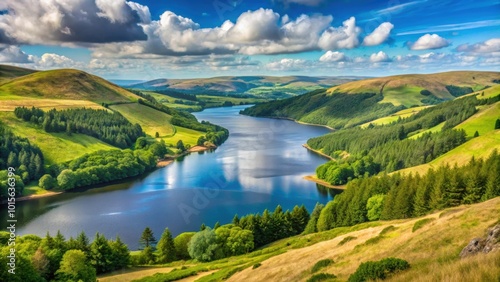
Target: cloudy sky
{"x": 120, "y": 39}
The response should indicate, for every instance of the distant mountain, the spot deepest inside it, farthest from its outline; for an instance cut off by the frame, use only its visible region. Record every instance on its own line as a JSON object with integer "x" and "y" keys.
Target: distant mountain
{"x": 63, "y": 84}
{"x": 9, "y": 72}
{"x": 126, "y": 82}
{"x": 285, "y": 86}
{"x": 356, "y": 102}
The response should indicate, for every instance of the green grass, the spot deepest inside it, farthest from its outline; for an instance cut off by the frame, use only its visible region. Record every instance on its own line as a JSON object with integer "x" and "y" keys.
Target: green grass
{"x": 483, "y": 121}
{"x": 33, "y": 189}
{"x": 346, "y": 239}
{"x": 394, "y": 117}
{"x": 188, "y": 136}
{"x": 321, "y": 264}
{"x": 56, "y": 147}
{"x": 433, "y": 129}
{"x": 149, "y": 119}
{"x": 403, "y": 95}
{"x": 421, "y": 223}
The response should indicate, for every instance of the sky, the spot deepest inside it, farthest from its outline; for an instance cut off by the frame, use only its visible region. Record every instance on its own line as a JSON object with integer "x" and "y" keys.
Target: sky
{"x": 145, "y": 40}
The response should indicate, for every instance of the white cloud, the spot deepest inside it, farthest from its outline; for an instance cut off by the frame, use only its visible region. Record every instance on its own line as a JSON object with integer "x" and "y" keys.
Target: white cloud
{"x": 379, "y": 57}
{"x": 344, "y": 37}
{"x": 50, "y": 61}
{"x": 429, "y": 41}
{"x": 114, "y": 10}
{"x": 379, "y": 35}
{"x": 488, "y": 46}
{"x": 261, "y": 24}
{"x": 13, "y": 54}
{"x": 287, "y": 65}
{"x": 330, "y": 56}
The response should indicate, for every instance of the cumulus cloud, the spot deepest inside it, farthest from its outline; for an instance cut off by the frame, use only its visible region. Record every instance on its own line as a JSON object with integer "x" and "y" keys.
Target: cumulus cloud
{"x": 250, "y": 26}
{"x": 330, "y": 56}
{"x": 287, "y": 65}
{"x": 488, "y": 46}
{"x": 61, "y": 21}
{"x": 379, "y": 57}
{"x": 50, "y": 60}
{"x": 429, "y": 41}
{"x": 12, "y": 54}
{"x": 344, "y": 37}
{"x": 379, "y": 35}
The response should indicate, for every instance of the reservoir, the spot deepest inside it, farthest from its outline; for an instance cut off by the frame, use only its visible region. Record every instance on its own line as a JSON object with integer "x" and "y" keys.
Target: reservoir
{"x": 261, "y": 165}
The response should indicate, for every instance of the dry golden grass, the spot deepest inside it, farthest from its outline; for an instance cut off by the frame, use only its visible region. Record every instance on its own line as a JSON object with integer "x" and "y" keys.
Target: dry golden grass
{"x": 133, "y": 273}
{"x": 435, "y": 246}
{"x": 47, "y": 104}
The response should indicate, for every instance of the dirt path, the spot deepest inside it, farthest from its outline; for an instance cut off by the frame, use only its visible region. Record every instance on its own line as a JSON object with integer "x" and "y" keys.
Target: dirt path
{"x": 197, "y": 276}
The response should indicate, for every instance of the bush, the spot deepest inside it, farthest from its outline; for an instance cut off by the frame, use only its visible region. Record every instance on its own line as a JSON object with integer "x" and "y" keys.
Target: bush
{"x": 346, "y": 239}
{"x": 256, "y": 265}
{"x": 373, "y": 270}
{"x": 321, "y": 264}
{"x": 419, "y": 224}
{"x": 47, "y": 182}
{"x": 321, "y": 277}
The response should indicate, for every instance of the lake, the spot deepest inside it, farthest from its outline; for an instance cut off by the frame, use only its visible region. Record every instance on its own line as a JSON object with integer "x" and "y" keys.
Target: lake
{"x": 260, "y": 166}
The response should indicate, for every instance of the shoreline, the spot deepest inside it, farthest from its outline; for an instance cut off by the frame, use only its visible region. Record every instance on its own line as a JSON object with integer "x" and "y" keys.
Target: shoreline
{"x": 313, "y": 178}
{"x": 159, "y": 164}
{"x": 317, "y": 152}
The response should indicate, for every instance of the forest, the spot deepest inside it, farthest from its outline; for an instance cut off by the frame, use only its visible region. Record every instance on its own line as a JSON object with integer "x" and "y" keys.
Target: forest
{"x": 110, "y": 127}
{"x": 388, "y": 148}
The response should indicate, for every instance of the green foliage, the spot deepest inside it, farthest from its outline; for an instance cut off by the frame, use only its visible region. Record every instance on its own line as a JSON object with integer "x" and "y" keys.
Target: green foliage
{"x": 166, "y": 247}
{"x": 476, "y": 134}
{"x": 74, "y": 267}
{"x": 497, "y": 124}
{"x": 120, "y": 254}
{"x": 425, "y": 92}
{"x": 147, "y": 256}
{"x": 346, "y": 239}
{"x": 313, "y": 221}
{"x": 47, "y": 182}
{"x": 374, "y": 206}
{"x": 111, "y": 128}
{"x": 257, "y": 265}
{"x": 204, "y": 246}
{"x": 174, "y": 275}
{"x": 180, "y": 146}
{"x": 101, "y": 254}
{"x": 181, "y": 245}
{"x": 147, "y": 238}
{"x": 321, "y": 264}
{"x": 387, "y": 230}
{"x": 458, "y": 91}
{"x": 419, "y": 224}
{"x": 414, "y": 195}
{"x": 373, "y": 270}
{"x": 321, "y": 277}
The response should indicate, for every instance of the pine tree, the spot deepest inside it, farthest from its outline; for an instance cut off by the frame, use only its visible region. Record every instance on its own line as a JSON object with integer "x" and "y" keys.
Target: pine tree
{"x": 236, "y": 220}
{"x": 166, "y": 247}
{"x": 476, "y": 134}
{"x": 101, "y": 254}
{"x": 147, "y": 238}
{"x": 497, "y": 124}
{"x": 120, "y": 254}
{"x": 217, "y": 225}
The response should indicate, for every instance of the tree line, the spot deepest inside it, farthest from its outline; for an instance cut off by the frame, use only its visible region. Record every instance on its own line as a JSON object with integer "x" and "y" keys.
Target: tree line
{"x": 110, "y": 127}
{"x": 389, "y": 147}
{"x": 17, "y": 152}
{"x": 403, "y": 196}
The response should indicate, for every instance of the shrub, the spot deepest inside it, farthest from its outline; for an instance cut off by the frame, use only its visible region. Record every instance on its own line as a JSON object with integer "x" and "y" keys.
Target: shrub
{"x": 346, "y": 239}
{"x": 419, "y": 224}
{"x": 321, "y": 277}
{"x": 373, "y": 270}
{"x": 256, "y": 265}
{"x": 321, "y": 264}
{"x": 387, "y": 230}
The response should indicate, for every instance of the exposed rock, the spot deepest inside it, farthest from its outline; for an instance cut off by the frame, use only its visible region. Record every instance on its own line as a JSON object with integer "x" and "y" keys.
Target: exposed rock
{"x": 483, "y": 245}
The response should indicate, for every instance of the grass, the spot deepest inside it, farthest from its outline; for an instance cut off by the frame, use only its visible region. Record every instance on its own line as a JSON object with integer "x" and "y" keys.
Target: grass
{"x": 346, "y": 239}
{"x": 56, "y": 147}
{"x": 149, "y": 119}
{"x": 421, "y": 223}
{"x": 45, "y": 104}
{"x": 321, "y": 264}
{"x": 403, "y": 95}
{"x": 321, "y": 277}
{"x": 394, "y": 117}
{"x": 433, "y": 129}
{"x": 188, "y": 136}
{"x": 483, "y": 121}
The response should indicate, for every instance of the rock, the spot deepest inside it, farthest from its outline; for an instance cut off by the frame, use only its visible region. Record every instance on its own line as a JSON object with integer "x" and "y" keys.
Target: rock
{"x": 483, "y": 245}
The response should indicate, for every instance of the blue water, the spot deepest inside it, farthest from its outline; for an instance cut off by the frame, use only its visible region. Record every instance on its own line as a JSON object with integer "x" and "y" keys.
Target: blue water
{"x": 260, "y": 166}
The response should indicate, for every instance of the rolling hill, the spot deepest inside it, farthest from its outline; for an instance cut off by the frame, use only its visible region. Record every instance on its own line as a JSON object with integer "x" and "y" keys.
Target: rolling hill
{"x": 64, "y": 84}
{"x": 268, "y": 86}
{"x": 10, "y": 72}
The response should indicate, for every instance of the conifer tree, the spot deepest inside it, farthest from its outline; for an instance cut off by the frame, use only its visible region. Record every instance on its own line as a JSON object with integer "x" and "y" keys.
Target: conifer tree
{"x": 166, "y": 247}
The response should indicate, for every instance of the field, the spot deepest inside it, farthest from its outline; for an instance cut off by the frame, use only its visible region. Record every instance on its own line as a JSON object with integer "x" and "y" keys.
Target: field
{"x": 188, "y": 136}
{"x": 45, "y": 104}
{"x": 403, "y": 95}
{"x": 149, "y": 119}
{"x": 436, "y": 128}
{"x": 483, "y": 121}
{"x": 56, "y": 147}
{"x": 394, "y": 117}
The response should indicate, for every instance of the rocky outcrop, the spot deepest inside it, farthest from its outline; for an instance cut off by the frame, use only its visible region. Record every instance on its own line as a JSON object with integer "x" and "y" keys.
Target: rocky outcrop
{"x": 483, "y": 245}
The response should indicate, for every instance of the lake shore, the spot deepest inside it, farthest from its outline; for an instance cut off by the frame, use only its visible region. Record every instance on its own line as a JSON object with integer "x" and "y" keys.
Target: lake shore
{"x": 317, "y": 152}
{"x": 313, "y": 178}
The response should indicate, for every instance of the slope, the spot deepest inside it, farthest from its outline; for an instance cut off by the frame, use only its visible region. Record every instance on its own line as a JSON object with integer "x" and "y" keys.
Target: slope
{"x": 9, "y": 72}
{"x": 64, "y": 84}
{"x": 431, "y": 250}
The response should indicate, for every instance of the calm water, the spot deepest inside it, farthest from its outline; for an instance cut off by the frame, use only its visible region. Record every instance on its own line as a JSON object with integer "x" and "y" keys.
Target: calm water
{"x": 260, "y": 166}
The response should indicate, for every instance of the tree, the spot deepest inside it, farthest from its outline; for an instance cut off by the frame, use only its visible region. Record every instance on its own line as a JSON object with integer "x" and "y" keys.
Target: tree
{"x": 217, "y": 225}
{"x": 147, "y": 256}
{"x": 240, "y": 241}
{"x": 181, "y": 245}
{"x": 157, "y": 135}
{"x": 147, "y": 238}
{"x": 180, "y": 145}
{"x": 101, "y": 254}
{"x": 476, "y": 134}
{"x": 74, "y": 267}
{"x": 166, "y": 247}
{"x": 66, "y": 179}
{"x": 40, "y": 262}
{"x": 374, "y": 206}
{"x": 326, "y": 218}
{"x": 311, "y": 225}
{"x": 47, "y": 182}
{"x": 497, "y": 124}
{"x": 120, "y": 254}
{"x": 236, "y": 220}
{"x": 204, "y": 246}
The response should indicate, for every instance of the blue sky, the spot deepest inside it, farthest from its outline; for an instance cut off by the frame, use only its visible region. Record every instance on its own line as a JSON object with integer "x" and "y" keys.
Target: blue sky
{"x": 120, "y": 39}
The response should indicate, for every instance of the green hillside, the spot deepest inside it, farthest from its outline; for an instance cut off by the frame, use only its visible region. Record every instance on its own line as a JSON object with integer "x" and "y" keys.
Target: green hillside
{"x": 64, "y": 84}
{"x": 149, "y": 119}
{"x": 10, "y": 72}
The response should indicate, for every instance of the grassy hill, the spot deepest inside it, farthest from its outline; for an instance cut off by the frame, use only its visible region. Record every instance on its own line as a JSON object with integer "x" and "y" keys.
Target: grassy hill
{"x": 431, "y": 244}
{"x": 64, "y": 84}
{"x": 10, "y": 72}
{"x": 268, "y": 86}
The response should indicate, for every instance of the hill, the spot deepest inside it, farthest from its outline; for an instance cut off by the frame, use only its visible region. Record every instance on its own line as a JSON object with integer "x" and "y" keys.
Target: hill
{"x": 268, "y": 86}
{"x": 9, "y": 72}
{"x": 64, "y": 84}
{"x": 359, "y": 102}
